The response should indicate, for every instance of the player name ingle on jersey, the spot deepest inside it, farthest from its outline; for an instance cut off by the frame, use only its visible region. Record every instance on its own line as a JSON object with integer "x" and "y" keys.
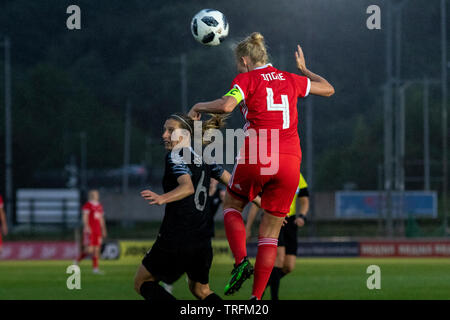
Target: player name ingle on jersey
{"x": 273, "y": 76}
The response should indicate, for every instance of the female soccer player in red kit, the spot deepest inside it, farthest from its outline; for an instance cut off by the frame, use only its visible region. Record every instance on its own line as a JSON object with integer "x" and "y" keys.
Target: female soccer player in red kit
{"x": 94, "y": 229}
{"x": 3, "y": 225}
{"x": 268, "y": 102}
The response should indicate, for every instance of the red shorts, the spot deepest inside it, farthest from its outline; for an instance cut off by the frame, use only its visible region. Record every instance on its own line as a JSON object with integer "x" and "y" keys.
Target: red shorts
{"x": 92, "y": 239}
{"x": 277, "y": 188}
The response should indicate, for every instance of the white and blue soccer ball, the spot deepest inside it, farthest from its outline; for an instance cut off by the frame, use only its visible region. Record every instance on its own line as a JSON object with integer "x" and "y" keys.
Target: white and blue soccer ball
{"x": 209, "y": 27}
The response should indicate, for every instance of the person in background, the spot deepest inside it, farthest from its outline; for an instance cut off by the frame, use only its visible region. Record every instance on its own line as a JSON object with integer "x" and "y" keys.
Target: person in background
{"x": 94, "y": 229}
{"x": 3, "y": 223}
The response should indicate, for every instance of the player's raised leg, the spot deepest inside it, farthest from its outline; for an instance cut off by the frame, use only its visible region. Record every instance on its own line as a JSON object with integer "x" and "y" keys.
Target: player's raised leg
{"x": 235, "y": 226}
{"x": 235, "y": 232}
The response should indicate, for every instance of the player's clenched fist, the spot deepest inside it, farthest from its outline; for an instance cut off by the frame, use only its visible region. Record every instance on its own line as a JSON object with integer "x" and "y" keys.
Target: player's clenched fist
{"x": 193, "y": 114}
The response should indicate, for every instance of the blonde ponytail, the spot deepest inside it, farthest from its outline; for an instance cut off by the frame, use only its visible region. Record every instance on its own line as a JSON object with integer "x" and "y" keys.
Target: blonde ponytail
{"x": 216, "y": 121}
{"x": 254, "y": 47}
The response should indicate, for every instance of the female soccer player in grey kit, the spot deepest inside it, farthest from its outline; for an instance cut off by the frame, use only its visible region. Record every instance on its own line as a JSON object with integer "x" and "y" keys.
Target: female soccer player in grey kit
{"x": 184, "y": 240}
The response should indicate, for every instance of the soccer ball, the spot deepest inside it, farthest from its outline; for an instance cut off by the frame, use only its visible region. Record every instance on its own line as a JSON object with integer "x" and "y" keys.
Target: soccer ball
{"x": 209, "y": 27}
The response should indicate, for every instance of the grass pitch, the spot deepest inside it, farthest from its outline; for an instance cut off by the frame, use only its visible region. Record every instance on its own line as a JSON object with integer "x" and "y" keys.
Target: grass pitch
{"x": 313, "y": 278}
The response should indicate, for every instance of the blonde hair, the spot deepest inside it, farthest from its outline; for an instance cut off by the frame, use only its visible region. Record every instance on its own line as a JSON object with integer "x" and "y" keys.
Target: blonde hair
{"x": 93, "y": 194}
{"x": 216, "y": 121}
{"x": 253, "y": 47}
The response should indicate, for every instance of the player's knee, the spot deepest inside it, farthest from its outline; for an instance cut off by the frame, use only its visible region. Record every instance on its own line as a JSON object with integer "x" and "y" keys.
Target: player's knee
{"x": 288, "y": 269}
{"x": 270, "y": 225}
{"x": 289, "y": 265}
{"x": 231, "y": 202}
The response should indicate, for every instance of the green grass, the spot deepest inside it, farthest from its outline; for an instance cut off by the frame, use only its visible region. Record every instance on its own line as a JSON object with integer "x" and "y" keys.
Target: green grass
{"x": 313, "y": 278}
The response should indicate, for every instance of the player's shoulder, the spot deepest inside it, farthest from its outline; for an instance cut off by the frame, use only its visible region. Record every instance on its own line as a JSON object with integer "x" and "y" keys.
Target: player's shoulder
{"x": 176, "y": 156}
{"x": 183, "y": 156}
{"x": 87, "y": 205}
{"x": 290, "y": 75}
{"x": 242, "y": 77}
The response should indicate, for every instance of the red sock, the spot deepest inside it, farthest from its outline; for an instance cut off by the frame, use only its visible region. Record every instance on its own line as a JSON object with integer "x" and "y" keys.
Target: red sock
{"x": 265, "y": 260}
{"x": 235, "y": 231}
{"x": 81, "y": 256}
{"x": 94, "y": 262}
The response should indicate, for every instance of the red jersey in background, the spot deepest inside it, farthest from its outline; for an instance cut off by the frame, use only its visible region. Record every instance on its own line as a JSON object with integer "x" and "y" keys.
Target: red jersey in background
{"x": 95, "y": 211}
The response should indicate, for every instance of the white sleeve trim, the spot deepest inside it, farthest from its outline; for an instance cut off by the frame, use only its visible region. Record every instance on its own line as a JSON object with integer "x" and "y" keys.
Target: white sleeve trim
{"x": 242, "y": 92}
{"x": 308, "y": 87}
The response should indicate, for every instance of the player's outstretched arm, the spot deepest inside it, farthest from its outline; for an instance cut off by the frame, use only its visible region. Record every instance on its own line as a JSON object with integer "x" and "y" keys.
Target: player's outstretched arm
{"x": 226, "y": 104}
{"x": 319, "y": 85}
{"x": 184, "y": 189}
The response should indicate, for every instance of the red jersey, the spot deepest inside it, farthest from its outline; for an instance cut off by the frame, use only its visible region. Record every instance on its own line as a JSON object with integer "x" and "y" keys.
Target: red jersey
{"x": 95, "y": 211}
{"x": 1, "y": 206}
{"x": 270, "y": 102}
